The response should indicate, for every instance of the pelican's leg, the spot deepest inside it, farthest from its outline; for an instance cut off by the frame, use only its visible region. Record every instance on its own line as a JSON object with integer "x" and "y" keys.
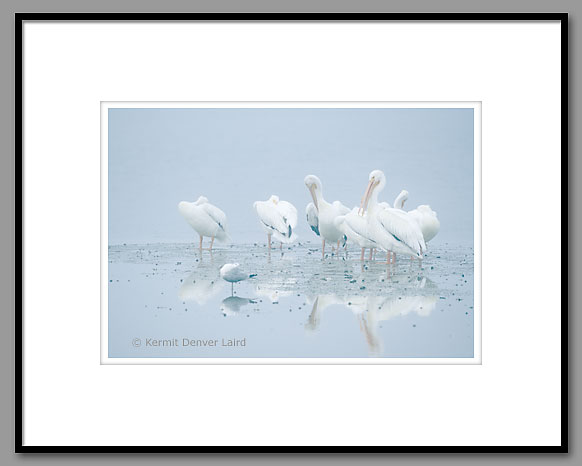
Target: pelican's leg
{"x": 323, "y": 247}
{"x": 281, "y": 246}
{"x": 388, "y": 257}
{"x": 362, "y": 255}
{"x": 231, "y": 288}
{"x": 269, "y": 240}
{"x": 200, "y": 243}
{"x": 211, "y": 243}
{"x": 371, "y": 252}
{"x": 337, "y": 247}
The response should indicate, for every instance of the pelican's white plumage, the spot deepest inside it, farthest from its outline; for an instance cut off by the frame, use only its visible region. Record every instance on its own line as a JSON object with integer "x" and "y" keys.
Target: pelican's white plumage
{"x": 423, "y": 215}
{"x": 390, "y": 228}
{"x": 324, "y": 213}
{"x": 400, "y": 200}
{"x": 278, "y": 219}
{"x": 356, "y": 228}
{"x": 427, "y": 221}
{"x": 206, "y": 219}
{"x": 312, "y": 220}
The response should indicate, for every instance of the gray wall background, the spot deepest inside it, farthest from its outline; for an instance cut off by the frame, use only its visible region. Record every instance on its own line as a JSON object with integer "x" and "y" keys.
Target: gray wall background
{"x": 7, "y": 281}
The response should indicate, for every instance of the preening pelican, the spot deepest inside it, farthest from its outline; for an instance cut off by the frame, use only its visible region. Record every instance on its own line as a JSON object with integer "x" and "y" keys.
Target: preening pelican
{"x": 401, "y": 199}
{"x": 324, "y": 213}
{"x": 390, "y": 228}
{"x": 278, "y": 219}
{"x": 206, "y": 219}
{"x": 423, "y": 215}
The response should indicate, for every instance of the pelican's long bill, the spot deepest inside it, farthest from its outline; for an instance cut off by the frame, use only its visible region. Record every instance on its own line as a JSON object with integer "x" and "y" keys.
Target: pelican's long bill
{"x": 364, "y": 204}
{"x": 312, "y": 191}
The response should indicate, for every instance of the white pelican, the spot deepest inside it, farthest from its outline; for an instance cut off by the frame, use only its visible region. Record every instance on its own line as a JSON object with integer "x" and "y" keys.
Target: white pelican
{"x": 355, "y": 227}
{"x": 423, "y": 215}
{"x": 233, "y": 273}
{"x": 206, "y": 219}
{"x": 400, "y": 200}
{"x": 323, "y": 213}
{"x": 278, "y": 218}
{"x": 390, "y": 228}
{"x": 427, "y": 221}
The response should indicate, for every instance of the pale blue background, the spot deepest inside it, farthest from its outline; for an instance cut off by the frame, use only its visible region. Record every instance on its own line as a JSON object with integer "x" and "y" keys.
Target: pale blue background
{"x": 158, "y": 157}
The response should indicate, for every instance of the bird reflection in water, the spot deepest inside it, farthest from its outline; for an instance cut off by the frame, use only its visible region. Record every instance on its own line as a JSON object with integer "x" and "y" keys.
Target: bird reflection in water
{"x": 371, "y": 311}
{"x": 200, "y": 289}
{"x": 232, "y": 305}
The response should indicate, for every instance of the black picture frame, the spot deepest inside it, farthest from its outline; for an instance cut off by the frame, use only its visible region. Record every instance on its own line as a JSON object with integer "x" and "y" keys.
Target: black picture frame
{"x": 270, "y": 17}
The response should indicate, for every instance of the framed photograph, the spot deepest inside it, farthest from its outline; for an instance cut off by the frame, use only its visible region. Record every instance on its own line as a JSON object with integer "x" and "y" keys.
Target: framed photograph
{"x": 244, "y": 222}
{"x": 323, "y": 278}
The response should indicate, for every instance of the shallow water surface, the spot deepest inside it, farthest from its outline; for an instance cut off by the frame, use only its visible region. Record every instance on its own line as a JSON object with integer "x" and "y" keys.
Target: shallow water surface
{"x": 168, "y": 300}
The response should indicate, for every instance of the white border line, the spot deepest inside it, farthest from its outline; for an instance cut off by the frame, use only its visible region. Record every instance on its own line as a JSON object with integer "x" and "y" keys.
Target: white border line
{"x": 477, "y": 320}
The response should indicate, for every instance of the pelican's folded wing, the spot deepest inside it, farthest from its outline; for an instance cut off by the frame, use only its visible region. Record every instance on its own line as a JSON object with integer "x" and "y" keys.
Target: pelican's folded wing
{"x": 216, "y": 214}
{"x": 358, "y": 225}
{"x": 402, "y": 229}
{"x": 289, "y": 213}
{"x": 271, "y": 218}
{"x": 312, "y": 217}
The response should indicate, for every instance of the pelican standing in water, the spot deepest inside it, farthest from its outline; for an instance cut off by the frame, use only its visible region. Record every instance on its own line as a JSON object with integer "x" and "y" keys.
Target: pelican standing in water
{"x": 423, "y": 215}
{"x": 321, "y": 214}
{"x": 207, "y": 219}
{"x": 278, "y": 219}
{"x": 390, "y": 228}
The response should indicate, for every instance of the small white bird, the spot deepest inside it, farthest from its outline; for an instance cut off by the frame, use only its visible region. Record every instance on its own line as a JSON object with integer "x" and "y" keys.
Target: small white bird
{"x": 278, "y": 219}
{"x": 423, "y": 215}
{"x": 321, "y": 214}
{"x": 206, "y": 219}
{"x": 233, "y": 273}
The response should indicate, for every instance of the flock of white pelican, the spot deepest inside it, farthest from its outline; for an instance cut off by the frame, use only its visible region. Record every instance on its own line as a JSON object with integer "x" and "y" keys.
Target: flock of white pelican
{"x": 371, "y": 225}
